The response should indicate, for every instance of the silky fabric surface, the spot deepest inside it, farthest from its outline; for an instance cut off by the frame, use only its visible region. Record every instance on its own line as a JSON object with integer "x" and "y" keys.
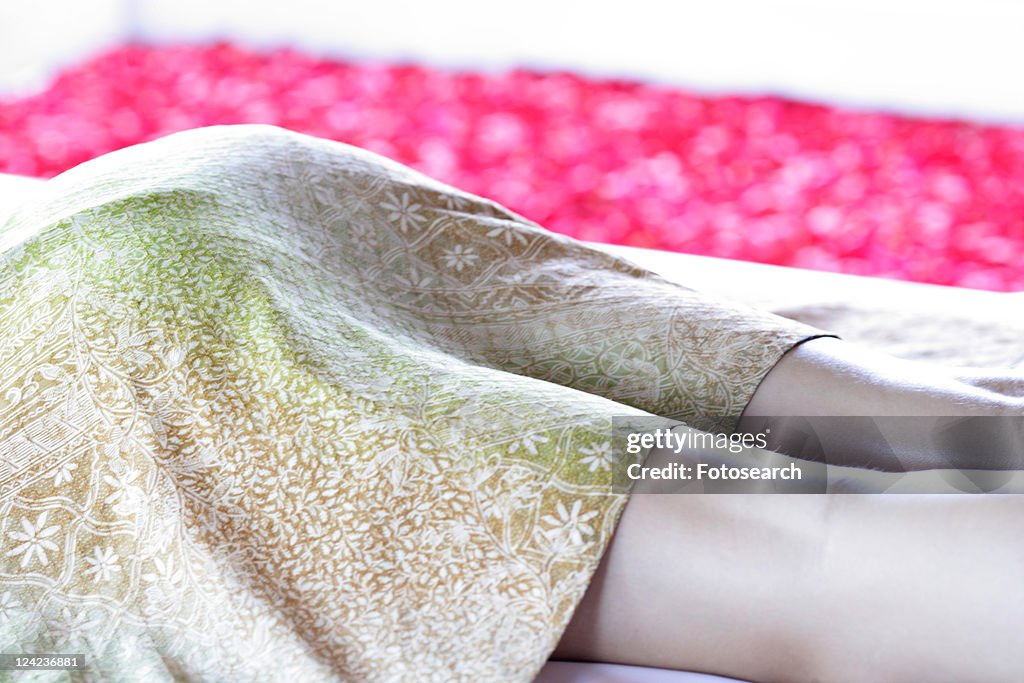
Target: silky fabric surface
{"x": 274, "y": 406}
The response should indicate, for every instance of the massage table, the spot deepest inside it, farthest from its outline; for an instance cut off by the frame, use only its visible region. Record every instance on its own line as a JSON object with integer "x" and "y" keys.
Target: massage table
{"x": 941, "y": 324}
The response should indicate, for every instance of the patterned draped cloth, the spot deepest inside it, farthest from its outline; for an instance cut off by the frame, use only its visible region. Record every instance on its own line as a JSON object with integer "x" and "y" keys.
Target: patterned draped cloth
{"x": 274, "y": 407}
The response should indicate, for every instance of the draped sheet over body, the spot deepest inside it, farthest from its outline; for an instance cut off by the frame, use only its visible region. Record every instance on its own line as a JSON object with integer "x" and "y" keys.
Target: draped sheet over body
{"x": 270, "y": 404}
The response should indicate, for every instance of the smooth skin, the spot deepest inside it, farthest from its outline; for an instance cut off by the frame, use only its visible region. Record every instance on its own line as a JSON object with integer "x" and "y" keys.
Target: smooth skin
{"x": 827, "y": 376}
{"x": 824, "y": 588}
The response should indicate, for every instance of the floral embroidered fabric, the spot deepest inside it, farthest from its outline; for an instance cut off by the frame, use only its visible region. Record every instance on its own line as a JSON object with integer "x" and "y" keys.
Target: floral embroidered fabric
{"x": 273, "y": 404}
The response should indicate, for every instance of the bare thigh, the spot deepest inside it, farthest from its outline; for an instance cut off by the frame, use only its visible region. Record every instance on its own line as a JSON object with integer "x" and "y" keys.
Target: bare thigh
{"x": 813, "y": 587}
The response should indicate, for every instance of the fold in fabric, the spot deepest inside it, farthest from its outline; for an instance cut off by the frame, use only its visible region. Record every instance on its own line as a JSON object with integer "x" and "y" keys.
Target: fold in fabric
{"x": 274, "y": 405}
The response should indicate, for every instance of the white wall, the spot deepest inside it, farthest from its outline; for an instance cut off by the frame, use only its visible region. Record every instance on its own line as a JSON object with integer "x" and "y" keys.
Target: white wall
{"x": 944, "y": 56}
{"x": 38, "y": 36}
{"x": 939, "y": 56}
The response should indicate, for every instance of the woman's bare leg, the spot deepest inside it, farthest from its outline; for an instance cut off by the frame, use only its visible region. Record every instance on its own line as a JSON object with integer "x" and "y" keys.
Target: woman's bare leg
{"x": 830, "y": 377}
{"x": 823, "y": 587}
{"x": 827, "y": 376}
{"x": 811, "y": 588}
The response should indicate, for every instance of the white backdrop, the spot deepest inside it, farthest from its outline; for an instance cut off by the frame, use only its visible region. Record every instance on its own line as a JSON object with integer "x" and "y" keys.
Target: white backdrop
{"x": 937, "y": 56}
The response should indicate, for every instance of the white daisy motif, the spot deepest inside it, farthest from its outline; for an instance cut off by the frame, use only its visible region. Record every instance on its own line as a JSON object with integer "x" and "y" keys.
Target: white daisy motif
{"x": 62, "y": 474}
{"x": 404, "y": 211}
{"x": 455, "y": 201}
{"x": 459, "y": 256}
{"x": 34, "y": 541}
{"x": 508, "y": 233}
{"x": 103, "y": 564}
{"x": 528, "y": 442}
{"x": 569, "y": 524}
{"x": 123, "y": 484}
{"x": 598, "y": 457}
{"x": 414, "y": 279}
{"x": 73, "y": 628}
{"x": 9, "y": 606}
{"x": 165, "y": 572}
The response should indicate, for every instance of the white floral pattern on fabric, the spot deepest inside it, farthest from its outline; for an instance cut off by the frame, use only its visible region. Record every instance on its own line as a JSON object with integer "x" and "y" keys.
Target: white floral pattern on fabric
{"x": 273, "y": 407}
{"x": 34, "y": 541}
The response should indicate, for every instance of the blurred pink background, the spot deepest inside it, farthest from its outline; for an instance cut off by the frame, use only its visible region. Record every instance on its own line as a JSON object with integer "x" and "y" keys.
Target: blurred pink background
{"x": 919, "y": 181}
